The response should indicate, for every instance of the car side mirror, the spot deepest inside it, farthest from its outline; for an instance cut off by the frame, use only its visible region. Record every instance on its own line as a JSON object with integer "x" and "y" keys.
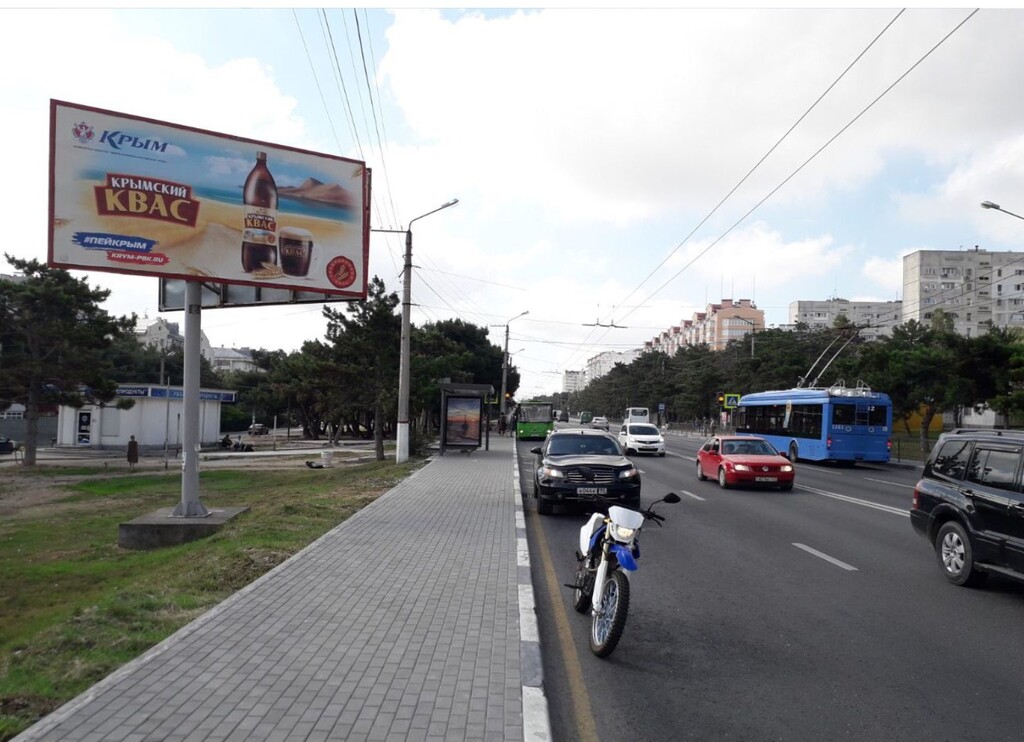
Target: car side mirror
{"x": 783, "y": 454}
{"x": 536, "y": 450}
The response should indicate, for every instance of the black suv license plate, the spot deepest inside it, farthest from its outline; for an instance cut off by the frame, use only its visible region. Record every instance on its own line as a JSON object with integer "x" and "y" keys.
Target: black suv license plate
{"x": 592, "y": 490}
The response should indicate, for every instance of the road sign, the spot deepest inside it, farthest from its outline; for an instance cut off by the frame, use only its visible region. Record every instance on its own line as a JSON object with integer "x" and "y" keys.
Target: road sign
{"x": 732, "y": 401}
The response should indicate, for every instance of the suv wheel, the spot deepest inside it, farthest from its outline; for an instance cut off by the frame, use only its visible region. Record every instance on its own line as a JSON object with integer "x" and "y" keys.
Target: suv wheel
{"x": 956, "y": 556}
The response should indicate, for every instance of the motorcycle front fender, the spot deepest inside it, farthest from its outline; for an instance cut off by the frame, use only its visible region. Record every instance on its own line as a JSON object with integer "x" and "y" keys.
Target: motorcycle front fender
{"x": 625, "y": 557}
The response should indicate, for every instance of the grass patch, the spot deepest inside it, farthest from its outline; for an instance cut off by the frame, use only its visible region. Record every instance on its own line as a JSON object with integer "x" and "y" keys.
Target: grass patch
{"x": 76, "y": 606}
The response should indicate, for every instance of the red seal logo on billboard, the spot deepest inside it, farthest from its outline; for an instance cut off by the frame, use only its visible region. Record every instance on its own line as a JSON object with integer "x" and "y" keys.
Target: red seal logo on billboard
{"x": 341, "y": 272}
{"x": 83, "y": 132}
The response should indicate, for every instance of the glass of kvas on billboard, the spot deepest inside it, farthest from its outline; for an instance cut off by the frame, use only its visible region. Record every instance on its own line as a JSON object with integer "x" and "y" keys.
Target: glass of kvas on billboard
{"x": 139, "y": 196}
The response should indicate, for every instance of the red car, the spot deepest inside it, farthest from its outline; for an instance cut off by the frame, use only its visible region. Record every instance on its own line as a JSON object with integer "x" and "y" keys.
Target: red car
{"x": 744, "y": 459}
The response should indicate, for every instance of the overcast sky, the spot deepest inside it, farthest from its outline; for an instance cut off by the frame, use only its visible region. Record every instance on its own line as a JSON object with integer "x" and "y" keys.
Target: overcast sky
{"x": 594, "y": 152}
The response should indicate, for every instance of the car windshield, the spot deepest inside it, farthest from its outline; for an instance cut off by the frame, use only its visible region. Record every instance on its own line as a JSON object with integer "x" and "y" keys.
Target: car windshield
{"x": 748, "y": 448}
{"x": 576, "y": 445}
{"x": 643, "y": 430}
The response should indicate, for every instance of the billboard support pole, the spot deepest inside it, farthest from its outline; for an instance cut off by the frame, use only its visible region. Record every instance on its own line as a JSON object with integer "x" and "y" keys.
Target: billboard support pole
{"x": 190, "y": 506}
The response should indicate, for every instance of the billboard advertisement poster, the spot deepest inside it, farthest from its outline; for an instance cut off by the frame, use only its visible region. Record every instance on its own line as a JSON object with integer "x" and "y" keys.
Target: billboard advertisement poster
{"x": 138, "y": 196}
{"x": 84, "y": 433}
{"x": 462, "y": 421}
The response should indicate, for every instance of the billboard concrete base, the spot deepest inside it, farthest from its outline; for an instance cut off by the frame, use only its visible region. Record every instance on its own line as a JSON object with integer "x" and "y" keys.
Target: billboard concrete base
{"x": 160, "y": 528}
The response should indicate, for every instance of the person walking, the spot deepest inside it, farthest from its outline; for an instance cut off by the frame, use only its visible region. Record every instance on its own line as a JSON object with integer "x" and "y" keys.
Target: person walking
{"x": 133, "y": 452}
{"x": 501, "y": 424}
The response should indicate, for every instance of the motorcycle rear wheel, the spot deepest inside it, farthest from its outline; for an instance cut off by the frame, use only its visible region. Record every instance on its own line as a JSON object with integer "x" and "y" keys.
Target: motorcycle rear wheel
{"x": 609, "y": 621}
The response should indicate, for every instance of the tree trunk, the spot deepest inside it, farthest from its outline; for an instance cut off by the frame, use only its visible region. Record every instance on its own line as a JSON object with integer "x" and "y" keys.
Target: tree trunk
{"x": 926, "y": 423}
{"x": 378, "y": 430}
{"x": 31, "y": 426}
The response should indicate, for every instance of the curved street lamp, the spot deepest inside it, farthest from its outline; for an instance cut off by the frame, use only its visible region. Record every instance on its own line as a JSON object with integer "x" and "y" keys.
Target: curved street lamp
{"x": 402, "y": 433}
{"x": 997, "y": 207}
{"x": 504, "y": 362}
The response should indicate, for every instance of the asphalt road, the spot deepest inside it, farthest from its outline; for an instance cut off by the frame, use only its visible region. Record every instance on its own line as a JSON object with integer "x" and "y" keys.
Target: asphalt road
{"x": 816, "y": 614}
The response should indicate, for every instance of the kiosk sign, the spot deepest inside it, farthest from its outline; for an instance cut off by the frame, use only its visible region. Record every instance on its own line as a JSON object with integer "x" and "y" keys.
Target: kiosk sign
{"x": 138, "y": 196}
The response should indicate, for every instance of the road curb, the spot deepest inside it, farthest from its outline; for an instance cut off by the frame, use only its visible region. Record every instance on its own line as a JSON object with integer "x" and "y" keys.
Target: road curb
{"x": 536, "y": 720}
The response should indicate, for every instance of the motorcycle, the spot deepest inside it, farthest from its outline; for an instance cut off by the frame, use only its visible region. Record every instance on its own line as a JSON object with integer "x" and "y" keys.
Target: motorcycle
{"x": 608, "y": 545}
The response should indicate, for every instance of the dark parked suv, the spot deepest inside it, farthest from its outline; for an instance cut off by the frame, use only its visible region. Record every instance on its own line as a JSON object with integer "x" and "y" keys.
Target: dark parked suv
{"x": 969, "y": 504}
{"x": 582, "y": 466}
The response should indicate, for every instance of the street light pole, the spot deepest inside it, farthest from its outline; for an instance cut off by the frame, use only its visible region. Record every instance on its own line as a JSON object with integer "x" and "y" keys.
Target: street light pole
{"x": 997, "y": 207}
{"x": 753, "y": 326}
{"x": 402, "y": 433}
{"x": 504, "y": 363}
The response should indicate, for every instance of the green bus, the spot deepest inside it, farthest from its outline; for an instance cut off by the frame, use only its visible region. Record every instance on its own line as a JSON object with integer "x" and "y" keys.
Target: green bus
{"x": 534, "y": 420}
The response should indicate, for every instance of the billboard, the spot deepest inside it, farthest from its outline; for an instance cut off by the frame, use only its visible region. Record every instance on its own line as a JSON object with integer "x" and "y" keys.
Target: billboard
{"x": 138, "y": 196}
{"x": 462, "y": 421}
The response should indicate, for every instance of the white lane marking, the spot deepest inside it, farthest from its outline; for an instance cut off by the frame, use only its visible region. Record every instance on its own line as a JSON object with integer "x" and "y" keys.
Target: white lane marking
{"x": 690, "y": 494}
{"x": 826, "y": 557}
{"x": 522, "y": 553}
{"x": 833, "y": 472}
{"x": 905, "y": 512}
{"x": 528, "y": 631}
{"x": 894, "y": 484}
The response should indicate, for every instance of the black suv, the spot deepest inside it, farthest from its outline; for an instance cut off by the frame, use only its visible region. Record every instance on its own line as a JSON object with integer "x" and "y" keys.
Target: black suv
{"x": 969, "y": 504}
{"x": 582, "y": 466}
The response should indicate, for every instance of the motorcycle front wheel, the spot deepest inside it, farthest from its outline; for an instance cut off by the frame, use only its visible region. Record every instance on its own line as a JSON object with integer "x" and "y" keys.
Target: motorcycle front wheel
{"x": 609, "y": 621}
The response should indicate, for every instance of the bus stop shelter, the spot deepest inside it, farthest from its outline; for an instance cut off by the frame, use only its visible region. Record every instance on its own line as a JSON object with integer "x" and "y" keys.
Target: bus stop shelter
{"x": 465, "y": 416}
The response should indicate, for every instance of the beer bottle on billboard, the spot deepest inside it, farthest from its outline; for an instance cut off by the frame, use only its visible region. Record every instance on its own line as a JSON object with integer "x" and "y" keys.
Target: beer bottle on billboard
{"x": 259, "y": 233}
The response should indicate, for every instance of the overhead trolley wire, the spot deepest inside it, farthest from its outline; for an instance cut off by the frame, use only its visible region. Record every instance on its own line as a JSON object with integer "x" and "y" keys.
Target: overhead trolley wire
{"x": 767, "y": 154}
{"x": 325, "y": 26}
{"x": 377, "y": 125}
{"x": 747, "y": 176}
{"x": 815, "y": 154}
{"x": 316, "y": 79}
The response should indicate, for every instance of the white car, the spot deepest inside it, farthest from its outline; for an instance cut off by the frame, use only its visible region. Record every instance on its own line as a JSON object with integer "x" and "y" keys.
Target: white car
{"x": 641, "y": 438}
{"x": 599, "y": 423}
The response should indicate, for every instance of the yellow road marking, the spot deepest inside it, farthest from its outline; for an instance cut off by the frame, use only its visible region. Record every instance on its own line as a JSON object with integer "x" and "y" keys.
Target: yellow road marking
{"x": 583, "y": 715}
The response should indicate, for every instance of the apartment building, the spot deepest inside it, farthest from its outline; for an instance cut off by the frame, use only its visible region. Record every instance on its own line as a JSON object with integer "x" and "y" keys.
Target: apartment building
{"x": 875, "y": 318}
{"x": 716, "y": 326}
{"x": 978, "y": 289}
{"x": 602, "y": 363}
{"x": 573, "y": 381}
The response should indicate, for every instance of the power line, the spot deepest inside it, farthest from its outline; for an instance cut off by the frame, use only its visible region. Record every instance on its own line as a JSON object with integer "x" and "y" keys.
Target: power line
{"x": 812, "y": 157}
{"x": 749, "y": 173}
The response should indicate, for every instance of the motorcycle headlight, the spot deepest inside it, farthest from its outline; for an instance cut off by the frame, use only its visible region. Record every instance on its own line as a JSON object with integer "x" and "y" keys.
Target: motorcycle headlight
{"x": 622, "y": 534}
{"x": 551, "y": 472}
{"x": 629, "y": 473}
{"x": 741, "y": 467}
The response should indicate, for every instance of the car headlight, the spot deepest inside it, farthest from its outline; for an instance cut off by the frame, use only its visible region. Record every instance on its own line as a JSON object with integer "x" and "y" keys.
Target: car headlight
{"x": 551, "y": 472}
{"x": 621, "y": 533}
{"x": 629, "y": 473}
{"x": 741, "y": 467}
{"x": 786, "y": 467}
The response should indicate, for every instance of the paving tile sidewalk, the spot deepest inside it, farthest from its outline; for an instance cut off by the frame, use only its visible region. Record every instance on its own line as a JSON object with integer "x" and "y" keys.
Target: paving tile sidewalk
{"x": 412, "y": 620}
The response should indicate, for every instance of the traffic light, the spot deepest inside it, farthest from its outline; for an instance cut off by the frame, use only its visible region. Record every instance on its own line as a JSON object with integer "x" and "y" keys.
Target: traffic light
{"x": 720, "y": 396}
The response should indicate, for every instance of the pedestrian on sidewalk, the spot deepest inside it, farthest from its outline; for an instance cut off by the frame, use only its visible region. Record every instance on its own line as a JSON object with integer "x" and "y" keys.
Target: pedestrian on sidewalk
{"x": 501, "y": 424}
{"x": 133, "y": 452}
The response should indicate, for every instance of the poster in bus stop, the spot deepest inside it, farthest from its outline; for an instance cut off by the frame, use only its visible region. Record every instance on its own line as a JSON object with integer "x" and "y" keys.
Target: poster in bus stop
{"x": 138, "y": 196}
{"x": 462, "y": 416}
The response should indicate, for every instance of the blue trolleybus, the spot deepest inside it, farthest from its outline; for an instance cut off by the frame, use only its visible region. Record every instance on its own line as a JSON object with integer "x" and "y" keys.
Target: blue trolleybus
{"x": 820, "y": 424}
